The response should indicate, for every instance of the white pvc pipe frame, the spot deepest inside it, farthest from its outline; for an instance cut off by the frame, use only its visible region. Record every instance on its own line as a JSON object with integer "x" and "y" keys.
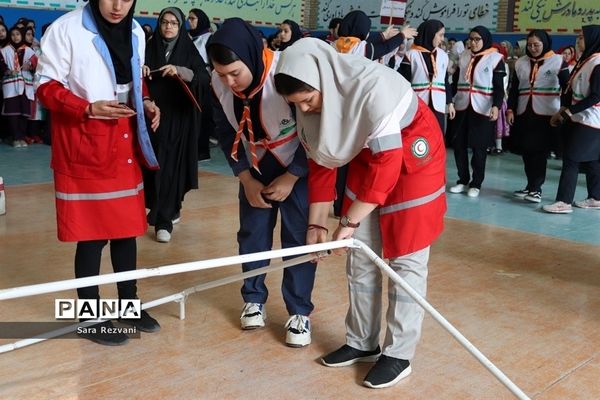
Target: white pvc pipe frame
{"x": 308, "y": 253}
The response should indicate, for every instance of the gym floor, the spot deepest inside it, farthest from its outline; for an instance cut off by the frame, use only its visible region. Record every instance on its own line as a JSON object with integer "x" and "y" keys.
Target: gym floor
{"x": 520, "y": 284}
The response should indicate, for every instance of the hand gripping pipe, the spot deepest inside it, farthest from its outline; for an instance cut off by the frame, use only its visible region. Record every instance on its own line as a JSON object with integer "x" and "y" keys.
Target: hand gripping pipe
{"x": 318, "y": 249}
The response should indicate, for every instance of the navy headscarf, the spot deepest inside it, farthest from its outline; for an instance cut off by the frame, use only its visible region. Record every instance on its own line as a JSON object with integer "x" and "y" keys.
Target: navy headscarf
{"x": 118, "y": 40}
{"x": 486, "y": 36}
{"x": 203, "y": 24}
{"x": 426, "y": 32}
{"x": 296, "y": 34}
{"x": 244, "y": 40}
{"x": 356, "y": 24}
{"x": 544, "y": 38}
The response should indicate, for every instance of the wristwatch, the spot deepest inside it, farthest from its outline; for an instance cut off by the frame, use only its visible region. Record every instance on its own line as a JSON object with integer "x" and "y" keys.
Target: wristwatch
{"x": 347, "y": 223}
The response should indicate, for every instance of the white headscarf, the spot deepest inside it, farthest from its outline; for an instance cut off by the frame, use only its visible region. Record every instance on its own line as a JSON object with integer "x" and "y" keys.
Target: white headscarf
{"x": 358, "y": 94}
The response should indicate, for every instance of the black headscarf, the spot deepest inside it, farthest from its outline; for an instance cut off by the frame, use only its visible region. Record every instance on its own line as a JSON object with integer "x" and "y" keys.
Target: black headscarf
{"x": 45, "y": 28}
{"x": 356, "y": 24}
{"x": 426, "y": 32}
{"x": 243, "y": 39}
{"x": 148, "y": 31}
{"x": 544, "y": 38}
{"x": 203, "y": 24}
{"x": 183, "y": 52}
{"x": 591, "y": 35}
{"x": 118, "y": 40}
{"x": 296, "y": 34}
{"x": 25, "y": 36}
{"x": 6, "y": 40}
{"x": 169, "y": 44}
{"x": 486, "y": 37}
{"x": 176, "y": 140}
{"x": 18, "y": 46}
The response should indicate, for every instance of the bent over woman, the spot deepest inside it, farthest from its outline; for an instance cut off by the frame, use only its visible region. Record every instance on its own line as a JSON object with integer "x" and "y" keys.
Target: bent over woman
{"x": 395, "y": 194}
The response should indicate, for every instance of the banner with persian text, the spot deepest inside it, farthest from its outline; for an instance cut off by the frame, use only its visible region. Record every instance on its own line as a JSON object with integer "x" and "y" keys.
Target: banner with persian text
{"x": 457, "y": 15}
{"x": 555, "y": 15}
{"x": 259, "y": 12}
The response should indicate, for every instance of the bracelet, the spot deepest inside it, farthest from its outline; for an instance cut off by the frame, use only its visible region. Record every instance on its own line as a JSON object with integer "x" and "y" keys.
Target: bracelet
{"x": 566, "y": 114}
{"x": 315, "y": 226}
{"x": 146, "y": 98}
{"x": 90, "y": 112}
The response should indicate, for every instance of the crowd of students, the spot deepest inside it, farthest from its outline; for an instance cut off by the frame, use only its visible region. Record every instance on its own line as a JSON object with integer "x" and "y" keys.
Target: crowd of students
{"x": 22, "y": 117}
{"x": 279, "y": 108}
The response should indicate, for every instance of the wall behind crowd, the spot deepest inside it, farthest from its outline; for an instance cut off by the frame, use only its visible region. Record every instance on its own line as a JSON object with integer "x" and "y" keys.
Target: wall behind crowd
{"x": 261, "y": 13}
{"x": 508, "y": 19}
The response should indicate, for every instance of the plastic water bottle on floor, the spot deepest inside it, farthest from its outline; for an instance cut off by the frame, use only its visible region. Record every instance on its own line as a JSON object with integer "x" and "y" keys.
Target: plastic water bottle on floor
{"x": 2, "y": 198}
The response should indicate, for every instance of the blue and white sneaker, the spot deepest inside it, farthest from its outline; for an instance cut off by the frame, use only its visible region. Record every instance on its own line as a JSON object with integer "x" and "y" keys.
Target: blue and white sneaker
{"x": 298, "y": 331}
{"x": 253, "y": 316}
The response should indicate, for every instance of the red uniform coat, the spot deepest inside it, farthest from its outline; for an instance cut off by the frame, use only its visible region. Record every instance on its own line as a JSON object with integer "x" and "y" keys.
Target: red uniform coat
{"x": 97, "y": 174}
{"x": 407, "y": 183}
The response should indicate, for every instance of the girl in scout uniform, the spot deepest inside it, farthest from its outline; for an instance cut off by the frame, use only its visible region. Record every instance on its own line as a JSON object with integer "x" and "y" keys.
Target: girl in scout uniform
{"x": 425, "y": 66}
{"x": 534, "y": 97}
{"x": 582, "y": 127}
{"x": 257, "y": 132}
{"x": 480, "y": 84}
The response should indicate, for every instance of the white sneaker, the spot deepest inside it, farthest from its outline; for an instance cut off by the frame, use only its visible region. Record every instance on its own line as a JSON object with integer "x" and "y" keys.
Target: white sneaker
{"x": 253, "y": 316}
{"x": 473, "y": 192}
{"x": 558, "y": 208}
{"x": 298, "y": 331}
{"x": 163, "y": 236}
{"x": 459, "y": 188}
{"x": 588, "y": 203}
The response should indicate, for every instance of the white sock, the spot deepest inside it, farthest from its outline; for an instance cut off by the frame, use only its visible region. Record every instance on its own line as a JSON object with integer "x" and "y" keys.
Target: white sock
{"x": 499, "y": 144}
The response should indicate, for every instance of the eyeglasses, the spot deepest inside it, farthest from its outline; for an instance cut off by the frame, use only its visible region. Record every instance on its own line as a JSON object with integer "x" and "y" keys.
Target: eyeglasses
{"x": 475, "y": 39}
{"x": 174, "y": 24}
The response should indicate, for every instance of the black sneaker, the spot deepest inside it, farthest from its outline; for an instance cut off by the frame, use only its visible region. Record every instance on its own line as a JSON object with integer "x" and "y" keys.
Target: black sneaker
{"x": 103, "y": 333}
{"x": 534, "y": 197}
{"x": 347, "y": 355}
{"x": 521, "y": 193}
{"x": 145, "y": 324}
{"x": 386, "y": 372}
